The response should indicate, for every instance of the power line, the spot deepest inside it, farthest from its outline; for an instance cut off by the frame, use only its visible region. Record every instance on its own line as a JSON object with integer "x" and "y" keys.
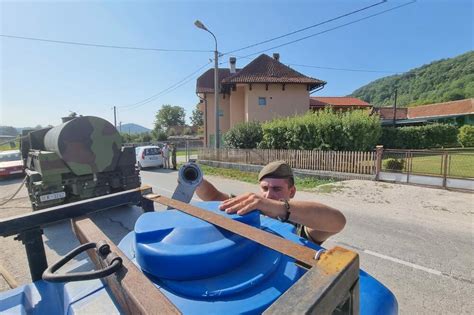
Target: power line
{"x": 331, "y": 29}
{"x": 306, "y": 28}
{"x": 331, "y": 68}
{"x": 343, "y": 69}
{"x": 103, "y": 46}
{"x": 169, "y": 89}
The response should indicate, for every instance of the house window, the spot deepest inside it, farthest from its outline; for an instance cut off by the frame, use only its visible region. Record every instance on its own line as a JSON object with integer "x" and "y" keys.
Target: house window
{"x": 221, "y": 113}
{"x": 262, "y": 101}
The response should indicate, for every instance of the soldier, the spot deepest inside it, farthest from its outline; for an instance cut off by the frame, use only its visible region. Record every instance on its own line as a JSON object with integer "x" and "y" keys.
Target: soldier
{"x": 314, "y": 221}
{"x": 166, "y": 156}
{"x": 173, "y": 156}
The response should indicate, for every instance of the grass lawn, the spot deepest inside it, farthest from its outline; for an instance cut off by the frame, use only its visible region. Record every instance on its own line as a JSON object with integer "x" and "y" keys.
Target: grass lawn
{"x": 6, "y": 146}
{"x": 306, "y": 183}
{"x": 460, "y": 165}
{"x": 183, "y": 152}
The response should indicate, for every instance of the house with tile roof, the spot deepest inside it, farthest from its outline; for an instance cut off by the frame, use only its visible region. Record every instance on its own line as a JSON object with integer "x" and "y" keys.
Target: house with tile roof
{"x": 262, "y": 90}
{"x": 458, "y": 113}
{"x": 340, "y": 103}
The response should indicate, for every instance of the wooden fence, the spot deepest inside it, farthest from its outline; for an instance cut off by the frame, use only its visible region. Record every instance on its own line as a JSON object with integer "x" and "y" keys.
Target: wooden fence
{"x": 333, "y": 161}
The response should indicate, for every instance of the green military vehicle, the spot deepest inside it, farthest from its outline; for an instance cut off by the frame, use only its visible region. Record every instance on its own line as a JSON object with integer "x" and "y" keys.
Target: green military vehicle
{"x": 79, "y": 159}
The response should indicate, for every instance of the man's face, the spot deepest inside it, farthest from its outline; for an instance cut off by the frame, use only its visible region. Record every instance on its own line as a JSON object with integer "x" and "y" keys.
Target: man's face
{"x": 276, "y": 188}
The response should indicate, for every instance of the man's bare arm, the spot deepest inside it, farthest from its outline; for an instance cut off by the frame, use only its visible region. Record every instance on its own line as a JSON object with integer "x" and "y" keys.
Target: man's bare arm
{"x": 207, "y": 192}
{"x": 321, "y": 221}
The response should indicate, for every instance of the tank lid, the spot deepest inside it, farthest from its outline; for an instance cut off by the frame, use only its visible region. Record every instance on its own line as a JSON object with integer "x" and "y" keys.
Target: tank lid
{"x": 173, "y": 245}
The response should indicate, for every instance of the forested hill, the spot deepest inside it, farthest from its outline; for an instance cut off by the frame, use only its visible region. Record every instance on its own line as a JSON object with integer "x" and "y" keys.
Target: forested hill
{"x": 440, "y": 81}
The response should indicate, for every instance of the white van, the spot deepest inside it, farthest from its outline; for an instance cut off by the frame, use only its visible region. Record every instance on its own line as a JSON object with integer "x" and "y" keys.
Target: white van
{"x": 149, "y": 156}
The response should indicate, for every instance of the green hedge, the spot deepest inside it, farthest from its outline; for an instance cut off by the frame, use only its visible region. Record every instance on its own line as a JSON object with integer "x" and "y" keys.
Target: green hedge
{"x": 394, "y": 164}
{"x": 419, "y": 137}
{"x": 466, "y": 136}
{"x": 244, "y": 136}
{"x": 325, "y": 130}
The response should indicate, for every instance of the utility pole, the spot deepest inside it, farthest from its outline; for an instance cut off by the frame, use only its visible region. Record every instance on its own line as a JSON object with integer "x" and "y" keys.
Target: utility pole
{"x": 200, "y": 25}
{"x": 395, "y": 108}
{"x": 115, "y": 117}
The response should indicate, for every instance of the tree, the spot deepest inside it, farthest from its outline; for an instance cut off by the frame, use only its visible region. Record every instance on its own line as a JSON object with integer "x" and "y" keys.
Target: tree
{"x": 169, "y": 116}
{"x": 159, "y": 135}
{"x": 8, "y": 131}
{"x": 197, "y": 117}
{"x": 187, "y": 131}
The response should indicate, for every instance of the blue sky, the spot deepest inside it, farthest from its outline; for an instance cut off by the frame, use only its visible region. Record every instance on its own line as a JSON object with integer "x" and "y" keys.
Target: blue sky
{"x": 40, "y": 81}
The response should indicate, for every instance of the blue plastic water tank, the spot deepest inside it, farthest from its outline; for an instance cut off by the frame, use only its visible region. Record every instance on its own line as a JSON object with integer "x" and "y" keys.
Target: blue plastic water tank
{"x": 200, "y": 268}
{"x": 204, "y": 269}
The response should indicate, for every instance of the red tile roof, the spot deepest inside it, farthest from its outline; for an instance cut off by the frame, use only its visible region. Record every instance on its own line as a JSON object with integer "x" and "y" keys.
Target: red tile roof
{"x": 265, "y": 69}
{"x": 321, "y": 101}
{"x": 386, "y": 113}
{"x": 205, "y": 83}
{"x": 442, "y": 109}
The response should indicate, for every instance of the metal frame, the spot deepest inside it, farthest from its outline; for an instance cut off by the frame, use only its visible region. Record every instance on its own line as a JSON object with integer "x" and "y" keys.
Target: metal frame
{"x": 28, "y": 226}
{"x": 331, "y": 285}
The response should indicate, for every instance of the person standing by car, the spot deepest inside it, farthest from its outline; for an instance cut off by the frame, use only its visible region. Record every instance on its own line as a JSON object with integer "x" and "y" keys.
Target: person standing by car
{"x": 166, "y": 156}
{"x": 173, "y": 156}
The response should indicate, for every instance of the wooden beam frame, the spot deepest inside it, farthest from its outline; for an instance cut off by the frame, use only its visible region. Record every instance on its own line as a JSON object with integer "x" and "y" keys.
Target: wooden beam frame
{"x": 331, "y": 282}
{"x": 132, "y": 290}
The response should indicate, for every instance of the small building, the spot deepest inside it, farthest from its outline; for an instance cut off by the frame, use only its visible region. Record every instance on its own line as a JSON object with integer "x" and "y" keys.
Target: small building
{"x": 458, "y": 113}
{"x": 339, "y": 103}
{"x": 262, "y": 90}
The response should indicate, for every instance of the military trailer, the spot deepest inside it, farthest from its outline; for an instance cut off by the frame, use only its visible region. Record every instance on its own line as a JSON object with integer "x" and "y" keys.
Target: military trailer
{"x": 79, "y": 159}
{"x": 189, "y": 259}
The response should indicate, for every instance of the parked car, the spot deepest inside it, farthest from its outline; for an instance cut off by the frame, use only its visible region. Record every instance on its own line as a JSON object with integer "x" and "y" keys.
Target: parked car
{"x": 149, "y": 156}
{"x": 11, "y": 163}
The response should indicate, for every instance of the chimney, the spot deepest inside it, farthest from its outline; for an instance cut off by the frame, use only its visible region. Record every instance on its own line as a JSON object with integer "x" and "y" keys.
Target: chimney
{"x": 232, "y": 61}
{"x": 276, "y": 56}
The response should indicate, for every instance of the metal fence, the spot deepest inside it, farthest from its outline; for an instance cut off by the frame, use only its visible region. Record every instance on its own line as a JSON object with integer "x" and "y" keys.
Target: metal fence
{"x": 445, "y": 164}
{"x": 334, "y": 161}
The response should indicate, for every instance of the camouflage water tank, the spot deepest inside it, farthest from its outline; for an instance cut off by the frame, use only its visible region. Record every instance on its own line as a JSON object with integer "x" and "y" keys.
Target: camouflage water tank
{"x": 86, "y": 144}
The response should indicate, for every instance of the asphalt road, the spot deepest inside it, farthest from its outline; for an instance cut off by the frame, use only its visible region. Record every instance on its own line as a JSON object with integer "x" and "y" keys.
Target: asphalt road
{"x": 417, "y": 241}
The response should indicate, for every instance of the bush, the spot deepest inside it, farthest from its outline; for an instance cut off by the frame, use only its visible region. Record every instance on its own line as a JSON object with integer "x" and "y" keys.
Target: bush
{"x": 159, "y": 135}
{"x": 187, "y": 131}
{"x": 244, "y": 136}
{"x": 466, "y": 136}
{"x": 419, "y": 137}
{"x": 324, "y": 130}
{"x": 394, "y": 164}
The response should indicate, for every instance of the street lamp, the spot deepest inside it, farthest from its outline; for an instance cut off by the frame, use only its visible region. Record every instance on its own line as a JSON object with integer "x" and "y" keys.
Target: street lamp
{"x": 200, "y": 25}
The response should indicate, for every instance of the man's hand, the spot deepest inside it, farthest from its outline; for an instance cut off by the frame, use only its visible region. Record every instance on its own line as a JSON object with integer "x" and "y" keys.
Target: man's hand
{"x": 249, "y": 202}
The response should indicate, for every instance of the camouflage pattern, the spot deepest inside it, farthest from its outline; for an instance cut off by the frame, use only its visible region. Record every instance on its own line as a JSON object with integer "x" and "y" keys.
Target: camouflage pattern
{"x": 86, "y": 144}
{"x": 79, "y": 159}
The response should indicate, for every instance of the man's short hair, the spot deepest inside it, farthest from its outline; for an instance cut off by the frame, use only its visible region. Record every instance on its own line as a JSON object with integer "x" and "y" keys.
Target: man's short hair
{"x": 277, "y": 169}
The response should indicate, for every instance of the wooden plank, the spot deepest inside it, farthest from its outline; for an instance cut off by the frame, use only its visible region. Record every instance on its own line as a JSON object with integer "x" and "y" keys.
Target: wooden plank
{"x": 359, "y": 162}
{"x": 352, "y": 163}
{"x": 322, "y": 289}
{"x": 338, "y": 161}
{"x": 303, "y": 255}
{"x": 133, "y": 291}
{"x": 318, "y": 160}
